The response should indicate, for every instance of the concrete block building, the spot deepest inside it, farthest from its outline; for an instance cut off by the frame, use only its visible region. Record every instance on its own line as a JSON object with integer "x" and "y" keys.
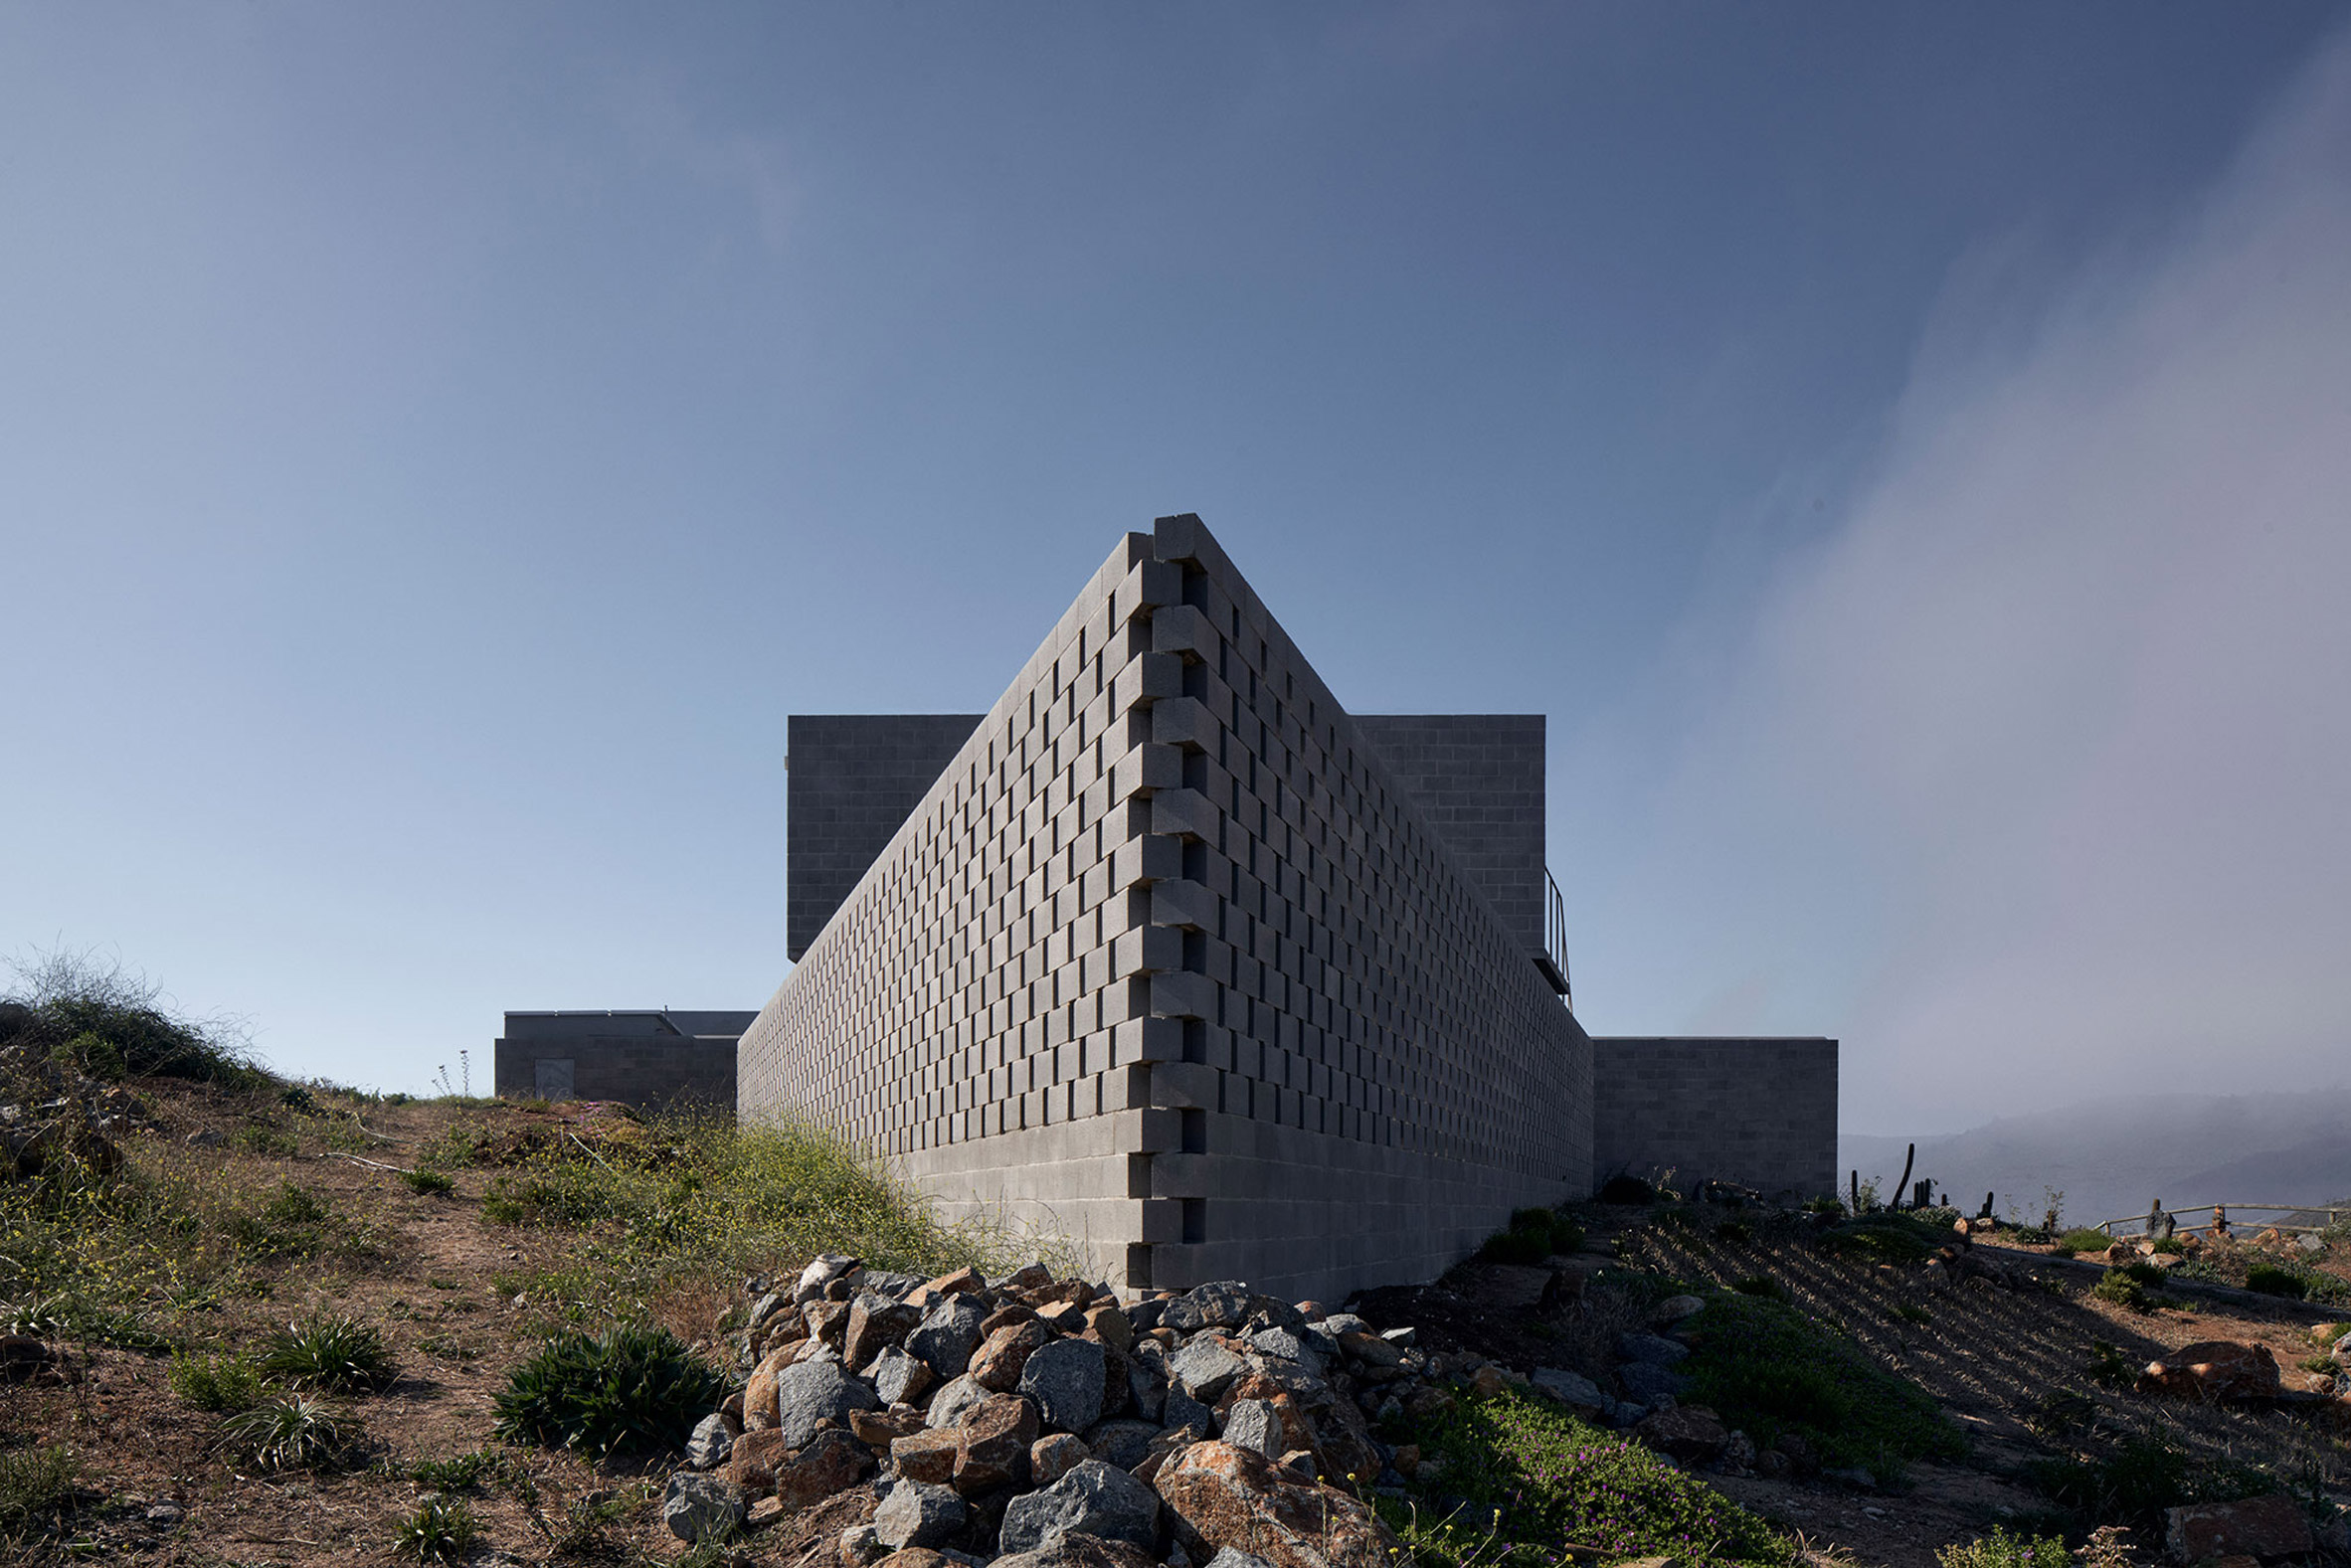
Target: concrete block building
{"x": 1171, "y": 954}
{"x": 657, "y": 1058}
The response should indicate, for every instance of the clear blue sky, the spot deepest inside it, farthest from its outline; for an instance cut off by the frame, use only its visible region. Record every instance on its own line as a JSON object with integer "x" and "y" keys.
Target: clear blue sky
{"x": 1900, "y": 446}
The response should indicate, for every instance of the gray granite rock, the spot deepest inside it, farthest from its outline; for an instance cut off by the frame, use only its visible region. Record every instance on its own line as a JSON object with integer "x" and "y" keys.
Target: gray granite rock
{"x": 1093, "y": 1499}
{"x": 899, "y": 1378}
{"x": 698, "y": 1507}
{"x": 814, "y": 1395}
{"x": 947, "y": 1334}
{"x": 1065, "y": 1378}
{"x": 708, "y": 1447}
{"x": 950, "y": 1403}
{"x": 1205, "y": 1368}
{"x": 1253, "y": 1424}
{"x": 1220, "y": 1304}
{"x": 918, "y": 1513}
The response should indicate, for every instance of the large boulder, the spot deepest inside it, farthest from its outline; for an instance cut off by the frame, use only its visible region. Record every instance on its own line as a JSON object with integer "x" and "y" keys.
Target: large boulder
{"x": 1093, "y": 1499}
{"x": 1221, "y": 1304}
{"x": 947, "y": 1334}
{"x": 996, "y": 1364}
{"x": 2214, "y": 1371}
{"x": 814, "y": 1395}
{"x": 833, "y": 1462}
{"x": 700, "y": 1507}
{"x": 948, "y": 1404}
{"x": 2265, "y": 1527}
{"x": 917, "y": 1513}
{"x": 1066, "y": 1379}
{"x": 876, "y": 1322}
{"x": 1206, "y": 1367}
{"x": 1221, "y": 1496}
{"x": 1077, "y": 1549}
{"x": 992, "y": 1443}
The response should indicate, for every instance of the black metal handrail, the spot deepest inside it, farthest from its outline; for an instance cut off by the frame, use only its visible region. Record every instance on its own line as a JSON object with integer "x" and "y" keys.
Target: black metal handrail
{"x": 1553, "y": 961}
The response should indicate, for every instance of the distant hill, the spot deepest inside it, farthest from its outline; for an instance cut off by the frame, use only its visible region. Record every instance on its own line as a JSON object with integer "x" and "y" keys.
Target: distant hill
{"x": 2112, "y": 1158}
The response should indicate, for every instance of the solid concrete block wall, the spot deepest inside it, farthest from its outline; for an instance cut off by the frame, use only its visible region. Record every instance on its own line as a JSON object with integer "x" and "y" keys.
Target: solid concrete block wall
{"x": 1758, "y": 1111}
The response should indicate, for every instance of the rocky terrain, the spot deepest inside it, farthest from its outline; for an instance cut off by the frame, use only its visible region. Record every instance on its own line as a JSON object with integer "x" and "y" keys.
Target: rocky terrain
{"x": 1712, "y": 1382}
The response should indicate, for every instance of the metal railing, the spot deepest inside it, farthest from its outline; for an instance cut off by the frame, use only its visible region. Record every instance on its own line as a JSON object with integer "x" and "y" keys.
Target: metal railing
{"x": 1553, "y": 961}
{"x": 2225, "y": 1215}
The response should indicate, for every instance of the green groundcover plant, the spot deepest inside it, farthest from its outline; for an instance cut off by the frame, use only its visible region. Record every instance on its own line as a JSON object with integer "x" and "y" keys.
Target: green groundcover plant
{"x": 1770, "y": 1370}
{"x": 1521, "y": 1479}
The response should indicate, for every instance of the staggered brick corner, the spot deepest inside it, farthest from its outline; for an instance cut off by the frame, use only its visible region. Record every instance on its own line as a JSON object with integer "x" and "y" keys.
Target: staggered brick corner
{"x": 1172, "y": 957}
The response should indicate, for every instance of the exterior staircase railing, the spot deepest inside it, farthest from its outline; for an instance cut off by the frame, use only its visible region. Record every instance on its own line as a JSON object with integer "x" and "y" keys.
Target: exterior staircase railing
{"x": 1553, "y": 961}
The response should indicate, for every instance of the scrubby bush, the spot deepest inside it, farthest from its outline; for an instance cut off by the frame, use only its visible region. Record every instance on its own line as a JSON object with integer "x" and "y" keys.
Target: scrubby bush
{"x": 433, "y": 1184}
{"x": 2000, "y": 1549}
{"x": 2271, "y": 1279}
{"x": 290, "y": 1431}
{"x": 1535, "y": 1477}
{"x": 2083, "y": 1239}
{"x": 2119, "y": 1287}
{"x": 215, "y": 1383}
{"x": 634, "y": 1388}
{"x": 109, "y": 1021}
{"x": 1884, "y": 1237}
{"x": 2133, "y": 1482}
{"x": 441, "y": 1531}
{"x": 37, "y": 1487}
{"x": 1770, "y": 1370}
{"x": 291, "y": 1223}
{"x": 323, "y": 1351}
{"x": 1531, "y": 1236}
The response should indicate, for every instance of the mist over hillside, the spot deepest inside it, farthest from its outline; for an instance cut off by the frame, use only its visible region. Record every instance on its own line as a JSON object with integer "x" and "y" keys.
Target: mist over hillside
{"x": 2110, "y": 1158}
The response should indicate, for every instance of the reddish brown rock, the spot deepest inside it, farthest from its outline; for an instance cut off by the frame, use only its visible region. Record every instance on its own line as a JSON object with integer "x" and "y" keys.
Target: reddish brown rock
{"x": 1030, "y": 1277}
{"x": 751, "y": 1463}
{"x": 1221, "y": 1496}
{"x": 1050, "y": 1458}
{"x": 997, "y": 1362}
{"x": 876, "y": 1322}
{"x": 1109, "y": 1324}
{"x": 2265, "y": 1527}
{"x": 992, "y": 1443}
{"x": 1004, "y": 1317}
{"x": 2213, "y": 1370}
{"x": 833, "y": 1462}
{"x": 1077, "y": 1549}
{"x": 879, "y": 1429}
{"x": 917, "y": 1557}
{"x": 828, "y": 1320}
{"x": 1690, "y": 1433}
{"x": 925, "y": 1455}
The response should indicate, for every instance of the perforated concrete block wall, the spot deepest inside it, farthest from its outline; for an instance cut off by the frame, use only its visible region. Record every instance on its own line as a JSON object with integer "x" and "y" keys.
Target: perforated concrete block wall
{"x": 1478, "y": 780}
{"x": 1167, "y": 960}
{"x": 855, "y": 778}
{"x": 1758, "y": 1112}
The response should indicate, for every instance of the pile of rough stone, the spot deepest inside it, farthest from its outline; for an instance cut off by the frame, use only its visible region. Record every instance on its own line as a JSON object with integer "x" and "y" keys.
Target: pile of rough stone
{"x": 1037, "y": 1421}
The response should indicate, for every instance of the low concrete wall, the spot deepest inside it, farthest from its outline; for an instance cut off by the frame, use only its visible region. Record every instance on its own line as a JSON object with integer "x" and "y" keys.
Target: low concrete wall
{"x": 648, "y": 1059}
{"x": 1758, "y": 1112}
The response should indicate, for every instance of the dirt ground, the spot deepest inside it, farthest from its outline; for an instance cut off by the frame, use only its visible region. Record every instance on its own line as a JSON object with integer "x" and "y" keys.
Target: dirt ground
{"x": 429, "y": 1282}
{"x": 438, "y": 1281}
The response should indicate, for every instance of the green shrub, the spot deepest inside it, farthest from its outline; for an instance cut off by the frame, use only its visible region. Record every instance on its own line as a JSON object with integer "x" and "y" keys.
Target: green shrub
{"x": 111, "y": 1023}
{"x": 268, "y": 1140}
{"x": 2170, "y": 1246}
{"x": 2108, "y": 1367}
{"x": 1759, "y": 1284}
{"x": 1769, "y": 1369}
{"x": 293, "y": 1223}
{"x": 558, "y": 1194}
{"x": 290, "y": 1431}
{"x": 2083, "y": 1239}
{"x": 1537, "y": 1477}
{"x": 1882, "y": 1237}
{"x": 2270, "y": 1280}
{"x": 215, "y": 1382}
{"x": 2003, "y": 1550}
{"x": 37, "y": 1490}
{"x": 1531, "y": 1236}
{"x": 432, "y": 1183}
{"x": 461, "y": 1472}
{"x": 2139, "y": 1477}
{"x": 2117, "y": 1286}
{"x": 441, "y": 1531}
{"x": 634, "y": 1388}
{"x": 336, "y": 1353}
